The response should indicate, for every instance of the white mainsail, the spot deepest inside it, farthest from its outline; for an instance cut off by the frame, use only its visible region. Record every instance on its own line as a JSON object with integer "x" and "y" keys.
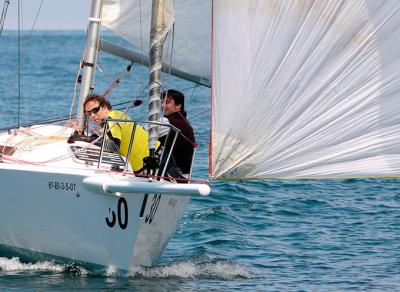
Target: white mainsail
{"x": 130, "y": 19}
{"x": 119, "y": 16}
{"x": 300, "y": 89}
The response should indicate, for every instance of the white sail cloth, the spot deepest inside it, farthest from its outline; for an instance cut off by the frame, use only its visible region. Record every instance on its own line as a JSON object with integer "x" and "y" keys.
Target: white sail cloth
{"x": 119, "y": 16}
{"x": 191, "y": 49}
{"x": 299, "y": 88}
{"x": 306, "y": 89}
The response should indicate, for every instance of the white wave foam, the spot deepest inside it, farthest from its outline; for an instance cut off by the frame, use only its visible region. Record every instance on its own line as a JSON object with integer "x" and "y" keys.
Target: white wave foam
{"x": 226, "y": 270}
{"x": 112, "y": 271}
{"x": 188, "y": 269}
{"x": 14, "y": 264}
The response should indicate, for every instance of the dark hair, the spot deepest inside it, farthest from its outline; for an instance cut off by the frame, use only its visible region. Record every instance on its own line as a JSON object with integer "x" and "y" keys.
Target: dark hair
{"x": 176, "y": 95}
{"x": 99, "y": 98}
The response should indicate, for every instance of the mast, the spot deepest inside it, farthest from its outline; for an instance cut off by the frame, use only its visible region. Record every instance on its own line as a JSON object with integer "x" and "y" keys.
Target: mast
{"x": 156, "y": 49}
{"x": 89, "y": 60}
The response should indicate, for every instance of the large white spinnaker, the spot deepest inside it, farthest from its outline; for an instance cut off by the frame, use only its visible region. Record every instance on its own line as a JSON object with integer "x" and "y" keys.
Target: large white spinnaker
{"x": 306, "y": 89}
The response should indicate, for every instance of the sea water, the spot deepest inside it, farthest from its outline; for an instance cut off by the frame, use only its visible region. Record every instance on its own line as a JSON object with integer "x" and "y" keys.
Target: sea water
{"x": 295, "y": 235}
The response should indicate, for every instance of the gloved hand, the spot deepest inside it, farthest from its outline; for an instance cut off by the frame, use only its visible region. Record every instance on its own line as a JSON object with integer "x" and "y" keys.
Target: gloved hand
{"x": 112, "y": 146}
{"x": 78, "y": 137}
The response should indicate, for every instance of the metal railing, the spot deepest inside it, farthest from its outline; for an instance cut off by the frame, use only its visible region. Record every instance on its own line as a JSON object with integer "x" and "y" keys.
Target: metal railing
{"x": 167, "y": 148}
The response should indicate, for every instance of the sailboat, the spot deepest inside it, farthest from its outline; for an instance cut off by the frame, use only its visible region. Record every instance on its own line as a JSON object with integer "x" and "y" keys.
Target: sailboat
{"x": 76, "y": 202}
{"x": 299, "y": 90}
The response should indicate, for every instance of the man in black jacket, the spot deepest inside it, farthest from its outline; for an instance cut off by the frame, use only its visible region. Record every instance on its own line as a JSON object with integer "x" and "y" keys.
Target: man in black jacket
{"x": 173, "y": 105}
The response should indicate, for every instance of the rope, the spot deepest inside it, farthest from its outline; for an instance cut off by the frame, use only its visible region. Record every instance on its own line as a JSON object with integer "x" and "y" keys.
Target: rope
{"x": 36, "y": 139}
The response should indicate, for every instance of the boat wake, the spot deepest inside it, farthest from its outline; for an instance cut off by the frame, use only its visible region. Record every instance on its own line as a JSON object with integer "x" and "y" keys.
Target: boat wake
{"x": 188, "y": 269}
{"x": 219, "y": 269}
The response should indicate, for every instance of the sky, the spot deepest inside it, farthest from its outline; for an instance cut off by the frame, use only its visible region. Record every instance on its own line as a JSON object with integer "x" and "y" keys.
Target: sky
{"x": 54, "y": 14}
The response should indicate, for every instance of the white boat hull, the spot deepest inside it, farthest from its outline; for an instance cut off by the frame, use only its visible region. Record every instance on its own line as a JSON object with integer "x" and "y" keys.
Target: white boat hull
{"x": 51, "y": 211}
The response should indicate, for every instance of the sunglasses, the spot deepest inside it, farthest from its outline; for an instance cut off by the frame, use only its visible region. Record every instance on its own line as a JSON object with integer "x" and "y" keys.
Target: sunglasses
{"x": 94, "y": 110}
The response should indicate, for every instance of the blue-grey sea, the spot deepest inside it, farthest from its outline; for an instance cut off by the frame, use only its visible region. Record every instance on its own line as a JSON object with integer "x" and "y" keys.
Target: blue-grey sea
{"x": 294, "y": 235}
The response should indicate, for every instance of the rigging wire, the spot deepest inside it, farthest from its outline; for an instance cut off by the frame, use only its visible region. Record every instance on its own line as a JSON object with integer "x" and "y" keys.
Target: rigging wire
{"x": 198, "y": 114}
{"x": 19, "y": 61}
{"x": 21, "y": 52}
{"x": 118, "y": 80}
{"x": 100, "y": 63}
{"x": 3, "y": 15}
{"x": 169, "y": 49}
{"x": 36, "y": 17}
{"x": 114, "y": 82}
{"x": 27, "y": 104}
{"x": 7, "y": 95}
{"x": 169, "y": 53}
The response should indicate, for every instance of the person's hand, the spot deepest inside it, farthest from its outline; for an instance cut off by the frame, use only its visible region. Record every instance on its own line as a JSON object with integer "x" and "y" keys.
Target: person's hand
{"x": 77, "y": 128}
{"x": 78, "y": 137}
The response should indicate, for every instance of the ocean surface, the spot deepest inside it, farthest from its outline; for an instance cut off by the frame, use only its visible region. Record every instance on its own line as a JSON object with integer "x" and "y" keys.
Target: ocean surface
{"x": 294, "y": 235}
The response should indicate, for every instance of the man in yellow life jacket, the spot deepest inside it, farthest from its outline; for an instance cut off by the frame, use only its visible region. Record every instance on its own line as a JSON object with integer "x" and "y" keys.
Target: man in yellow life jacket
{"x": 98, "y": 108}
